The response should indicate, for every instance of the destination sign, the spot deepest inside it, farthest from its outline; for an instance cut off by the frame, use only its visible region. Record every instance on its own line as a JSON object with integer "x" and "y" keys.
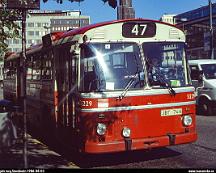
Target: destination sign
{"x": 138, "y": 30}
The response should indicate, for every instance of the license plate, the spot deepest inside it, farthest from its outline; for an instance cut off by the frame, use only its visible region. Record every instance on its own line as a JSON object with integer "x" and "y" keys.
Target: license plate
{"x": 171, "y": 112}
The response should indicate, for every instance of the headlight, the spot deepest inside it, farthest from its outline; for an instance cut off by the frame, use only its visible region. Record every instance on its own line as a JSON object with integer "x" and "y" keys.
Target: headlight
{"x": 126, "y": 132}
{"x": 101, "y": 129}
{"x": 187, "y": 120}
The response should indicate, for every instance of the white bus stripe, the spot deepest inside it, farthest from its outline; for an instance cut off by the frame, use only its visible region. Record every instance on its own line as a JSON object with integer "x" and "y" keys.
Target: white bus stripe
{"x": 140, "y": 107}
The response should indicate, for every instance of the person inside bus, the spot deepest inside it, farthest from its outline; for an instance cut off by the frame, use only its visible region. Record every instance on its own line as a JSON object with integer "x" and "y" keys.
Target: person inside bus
{"x": 154, "y": 68}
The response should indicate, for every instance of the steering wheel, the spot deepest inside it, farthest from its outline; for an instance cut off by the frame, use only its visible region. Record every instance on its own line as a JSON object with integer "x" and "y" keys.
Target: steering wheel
{"x": 141, "y": 82}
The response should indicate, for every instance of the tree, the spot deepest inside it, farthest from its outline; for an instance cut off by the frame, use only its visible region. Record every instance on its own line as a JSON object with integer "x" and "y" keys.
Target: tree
{"x": 112, "y": 3}
{"x": 9, "y": 28}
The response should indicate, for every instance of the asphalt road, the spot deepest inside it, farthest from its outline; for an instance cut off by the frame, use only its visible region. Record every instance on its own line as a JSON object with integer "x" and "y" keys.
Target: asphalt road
{"x": 200, "y": 154}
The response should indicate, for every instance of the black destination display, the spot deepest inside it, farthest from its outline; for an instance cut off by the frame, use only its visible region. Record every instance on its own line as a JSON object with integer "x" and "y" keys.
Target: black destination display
{"x": 138, "y": 30}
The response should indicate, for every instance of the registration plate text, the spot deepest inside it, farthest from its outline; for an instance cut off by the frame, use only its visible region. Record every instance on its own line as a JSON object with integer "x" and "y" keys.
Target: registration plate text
{"x": 171, "y": 112}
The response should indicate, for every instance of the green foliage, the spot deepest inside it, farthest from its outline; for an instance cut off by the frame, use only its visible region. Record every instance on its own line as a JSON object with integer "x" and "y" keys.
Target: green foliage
{"x": 8, "y": 28}
{"x": 112, "y": 3}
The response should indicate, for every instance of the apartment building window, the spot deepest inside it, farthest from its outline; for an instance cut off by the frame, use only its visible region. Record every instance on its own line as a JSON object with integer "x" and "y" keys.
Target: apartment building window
{"x": 30, "y": 41}
{"x": 30, "y": 33}
{"x": 16, "y": 49}
{"x": 37, "y": 33}
{"x": 45, "y": 24}
{"x": 9, "y": 41}
{"x": 38, "y": 24}
{"x": 38, "y": 41}
{"x": 30, "y": 24}
{"x": 15, "y": 41}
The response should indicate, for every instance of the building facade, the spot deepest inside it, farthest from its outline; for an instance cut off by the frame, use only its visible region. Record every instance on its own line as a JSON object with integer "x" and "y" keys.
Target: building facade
{"x": 168, "y": 18}
{"x": 40, "y": 23}
{"x": 200, "y": 36}
{"x": 125, "y": 10}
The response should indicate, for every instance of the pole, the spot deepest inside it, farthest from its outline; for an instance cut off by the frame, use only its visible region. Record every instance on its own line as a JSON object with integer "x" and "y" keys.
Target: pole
{"x": 211, "y": 30}
{"x": 23, "y": 87}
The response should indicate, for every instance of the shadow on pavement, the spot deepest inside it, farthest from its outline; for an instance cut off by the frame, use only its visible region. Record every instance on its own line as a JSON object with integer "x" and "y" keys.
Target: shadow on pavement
{"x": 38, "y": 156}
{"x": 112, "y": 159}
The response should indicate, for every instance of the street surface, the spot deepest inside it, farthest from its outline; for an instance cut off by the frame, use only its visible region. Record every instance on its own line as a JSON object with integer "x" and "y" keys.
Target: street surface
{"x": 201, "y": 154}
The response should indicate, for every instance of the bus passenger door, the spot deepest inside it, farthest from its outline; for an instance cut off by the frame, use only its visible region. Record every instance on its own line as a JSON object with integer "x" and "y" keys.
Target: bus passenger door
{"x": 66, "y": 77}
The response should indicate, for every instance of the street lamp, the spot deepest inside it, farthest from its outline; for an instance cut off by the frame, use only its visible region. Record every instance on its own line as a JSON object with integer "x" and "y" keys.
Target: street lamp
{"x": 211, "y": 29}
{"x": 23, "y": 6}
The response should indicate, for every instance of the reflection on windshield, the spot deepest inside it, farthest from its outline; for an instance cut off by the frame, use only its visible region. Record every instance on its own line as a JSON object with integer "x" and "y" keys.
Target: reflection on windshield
{"x": 165, "y": 63}
{"x": 209, "y": 71}
{"x": 110, "y": 66}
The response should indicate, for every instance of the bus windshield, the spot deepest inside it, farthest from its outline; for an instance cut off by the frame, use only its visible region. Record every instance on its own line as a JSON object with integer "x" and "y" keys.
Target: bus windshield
{"x": 111, "y": 66}
{"x": 165, "y": 63}
{"x": 209, "y": 70}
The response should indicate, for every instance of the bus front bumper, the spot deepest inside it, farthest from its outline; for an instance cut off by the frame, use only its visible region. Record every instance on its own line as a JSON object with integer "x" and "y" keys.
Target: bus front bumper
{"x": 139, "y": 144}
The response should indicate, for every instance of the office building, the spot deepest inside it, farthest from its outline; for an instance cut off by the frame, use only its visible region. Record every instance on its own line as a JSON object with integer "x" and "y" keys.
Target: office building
{"x": 168, "y": 18}
{"x": 125, "y": 10}
{"x": 40, "y": 23}
{"x": 201, "y": 41}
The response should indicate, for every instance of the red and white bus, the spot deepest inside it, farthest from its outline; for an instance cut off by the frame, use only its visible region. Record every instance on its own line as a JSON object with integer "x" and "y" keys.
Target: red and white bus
{"x": 109, "y": 87}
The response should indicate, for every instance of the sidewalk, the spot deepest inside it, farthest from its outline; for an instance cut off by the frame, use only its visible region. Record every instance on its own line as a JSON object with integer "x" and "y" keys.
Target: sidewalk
{"x": 38, "y": 156}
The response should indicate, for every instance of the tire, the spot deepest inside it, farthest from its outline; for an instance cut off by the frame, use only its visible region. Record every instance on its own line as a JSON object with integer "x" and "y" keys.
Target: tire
{"x": 205, "y": 107}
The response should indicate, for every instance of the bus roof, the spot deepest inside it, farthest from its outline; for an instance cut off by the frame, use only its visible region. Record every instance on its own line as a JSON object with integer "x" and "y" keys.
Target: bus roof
{"x": 61, "y": 35}
{"x": 82, "y": 30}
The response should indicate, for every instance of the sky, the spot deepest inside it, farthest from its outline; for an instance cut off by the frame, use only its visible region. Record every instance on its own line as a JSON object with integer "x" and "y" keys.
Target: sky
{"x": 149, "y": 9}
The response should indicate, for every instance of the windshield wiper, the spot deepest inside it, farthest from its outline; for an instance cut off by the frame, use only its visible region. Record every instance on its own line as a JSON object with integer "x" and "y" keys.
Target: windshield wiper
{"x": 128, "y": 86}
{"x": 164, "y": 83}
{"x": 131, "y": 81}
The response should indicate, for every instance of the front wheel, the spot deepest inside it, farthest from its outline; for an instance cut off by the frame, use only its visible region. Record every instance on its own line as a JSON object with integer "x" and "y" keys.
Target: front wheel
{"x": 206, "y": 107}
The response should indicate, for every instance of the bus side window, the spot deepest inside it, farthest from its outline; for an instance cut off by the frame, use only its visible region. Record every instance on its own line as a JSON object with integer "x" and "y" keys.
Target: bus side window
{"x": 89, "y": 75}
{"x": 10, "y": 70}
{"x": 194, "y": 72}
{"x": 36, "y": 72}
{"x": 6, "y": 70}
{"x": 29, "y": 68}
{"x": 47, "y": 66}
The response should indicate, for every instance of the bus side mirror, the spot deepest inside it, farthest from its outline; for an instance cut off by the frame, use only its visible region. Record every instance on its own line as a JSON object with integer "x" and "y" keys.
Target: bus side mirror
{"x": 200, "y": 76}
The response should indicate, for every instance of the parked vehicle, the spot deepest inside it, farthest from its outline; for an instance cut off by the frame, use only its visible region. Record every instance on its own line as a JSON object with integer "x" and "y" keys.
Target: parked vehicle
{"x": 203, "y": 75}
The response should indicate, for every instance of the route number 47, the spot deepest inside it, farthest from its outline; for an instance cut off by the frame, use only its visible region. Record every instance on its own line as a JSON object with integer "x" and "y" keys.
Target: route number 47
{"x": 139, "y": 29}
